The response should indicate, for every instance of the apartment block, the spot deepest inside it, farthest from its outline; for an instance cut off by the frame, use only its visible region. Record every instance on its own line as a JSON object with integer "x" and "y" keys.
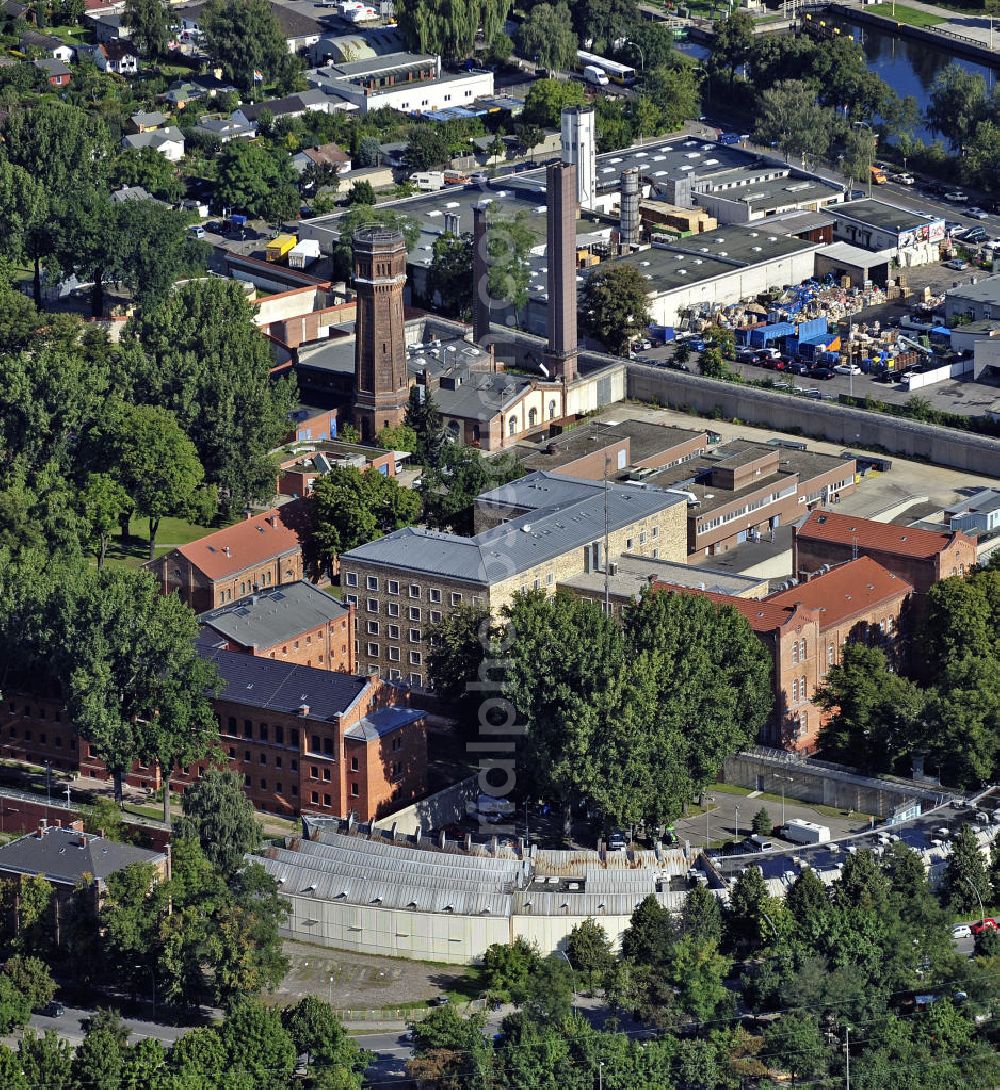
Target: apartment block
{"x": 412, "y": 578}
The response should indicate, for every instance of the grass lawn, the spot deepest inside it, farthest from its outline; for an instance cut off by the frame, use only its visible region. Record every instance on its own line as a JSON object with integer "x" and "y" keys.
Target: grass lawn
{"x": 903, "y": 14}
{"x": 133, "y": 551}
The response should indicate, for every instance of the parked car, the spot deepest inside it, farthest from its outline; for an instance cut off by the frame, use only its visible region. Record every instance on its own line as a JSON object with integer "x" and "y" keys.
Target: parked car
{"x": 976, "y": 212}
{"x": 973, "y": 234}
{"x": 214, "y": 227}
{"x": 903, "y": 178}
{"x": 952, "y": 227}
{"x": 822, "y": 373}
{"x": 797, "y": 367}
{"x": 53, "y": 1009}
{"x": 956, "y": 196}
{"x": 984, "y": 925}
{"x": 847, "y": 369}
{"x": 729, "y": 138}
{"x": 196, "y": 230}
{"x": 746, "y": 355}
{"x": 957, "y": 264}
{"x": 961, "y": 931}
{"x": 617, "y": 842}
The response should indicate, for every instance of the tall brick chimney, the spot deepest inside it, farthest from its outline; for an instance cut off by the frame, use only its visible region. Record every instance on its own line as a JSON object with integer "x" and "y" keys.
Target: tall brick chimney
{"x": 560, "y": 277}
{"x": 381, "y": 379}
{"x": 480, "y": 277}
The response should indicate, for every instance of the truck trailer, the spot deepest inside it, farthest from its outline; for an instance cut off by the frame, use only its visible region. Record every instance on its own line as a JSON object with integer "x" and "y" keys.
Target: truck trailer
{"x": 806, "y": 832}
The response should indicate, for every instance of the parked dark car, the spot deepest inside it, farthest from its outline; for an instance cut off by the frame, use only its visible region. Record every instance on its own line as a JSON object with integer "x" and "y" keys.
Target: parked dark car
{"x": 797, "y": 367}
{"x": 822, "y": 373}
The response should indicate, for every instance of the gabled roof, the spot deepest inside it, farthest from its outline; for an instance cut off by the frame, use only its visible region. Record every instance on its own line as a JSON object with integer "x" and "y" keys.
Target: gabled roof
{"x": 280, "y": 107}
{"x": 327, "y": 154}
{"x": 245, "y": 544}
{"x": 262, "y": 620}
{"x": 382, "y": 722}
{"x": 845, "y": 591}
{"x": 53, "y": 66}
{"x": 66, "y": 857}
{"x": 878, "y": 536}
{"x": 284, "y": 686}
{"x": 143, "y": 119}
{"x": 762, "y": 616}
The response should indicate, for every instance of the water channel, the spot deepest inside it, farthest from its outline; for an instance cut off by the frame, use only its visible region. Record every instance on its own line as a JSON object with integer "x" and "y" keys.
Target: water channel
{"x": 908, "y": 67}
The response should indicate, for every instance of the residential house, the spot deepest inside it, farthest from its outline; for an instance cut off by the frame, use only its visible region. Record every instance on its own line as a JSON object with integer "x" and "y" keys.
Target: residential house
{"x": 300, "y": 469}
{"x": 979, "y": 514}
{"x": 224, "y": 129}
{"x": 168, "y": 141}
{"x": 13, "y": 10}
{"x": 290, "y": 106}
{"x": 33, "y": 41}
{"x": 805, "y": 629}
{"x": 257, "y": 554}
{"x": 300, "y": 31}
{"x": 74, "y": 862}
{"x": 414, "y": 577}
{"x": 299, "y": 623}
{"x": 143, "y": 121}
{"x": 331, "y": 156}
{"x": 195, "y": 88}
{"x": 109, "y": 26}
{"x": 132, "y": 193}
{"x": 921, "y": 557}
{"x": 57, "y": 74}
{"x": 118, "y": 56}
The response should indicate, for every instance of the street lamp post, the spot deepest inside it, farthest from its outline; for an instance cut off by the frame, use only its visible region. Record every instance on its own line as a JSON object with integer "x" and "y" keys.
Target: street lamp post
{"x": 708, "y": 799}
{"x": 736, "y": 824}
{"x": 563, "y": 954}
{"x": 975, "y": 890}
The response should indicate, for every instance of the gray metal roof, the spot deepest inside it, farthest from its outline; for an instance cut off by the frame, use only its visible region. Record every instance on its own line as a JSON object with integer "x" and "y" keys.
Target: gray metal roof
{"x": 985, "y": 291}
{"x": 383, "y": 722}
{"x": 518, "y": 545}
{"x": 541, "y": 489}
{"x": 882, "y": 215}
{"x": 263, "y": 620}
{"x": 66, "y": 857}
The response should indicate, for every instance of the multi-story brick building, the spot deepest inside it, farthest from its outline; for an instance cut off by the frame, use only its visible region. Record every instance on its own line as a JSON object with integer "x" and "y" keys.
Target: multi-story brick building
{"x": 805, "y": 629}
{"x": 921, "y": 557}
{"x": 259, "y": 553}
{"x": 412, "y": 578}
{"x": 743, "y": 491}
{"x": 298, "y": 623}
{"x": 299, "y": 471}
{"x": 304, "y": 740}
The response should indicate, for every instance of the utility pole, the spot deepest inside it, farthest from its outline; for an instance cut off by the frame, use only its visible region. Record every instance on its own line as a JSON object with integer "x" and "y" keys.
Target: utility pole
{"x": 607, "y": 564}
{"x": 600, "y": 1075}
{"x": 736, "y": 824}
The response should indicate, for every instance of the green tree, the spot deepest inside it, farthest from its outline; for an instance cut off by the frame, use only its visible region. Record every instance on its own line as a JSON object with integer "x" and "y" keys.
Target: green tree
{"x": 799, "y": 1046}
{"x": 104, "y": 502}
{"x": 257, "y": 1044}
{"x": 100, "y": 1058}
{"x": 255, "y": 176}
{"x": 424, "y": 418}
{"x": 615, "y": 306}
{"x": 427, "y": 147}
{"x": 316, "y": 1031}
{"x": 547, "y": 37}
{"x": 12, "y": 1075}
{"x": 712, "y": 365}
{"x": 859, "y": 154}
{"x": 650, "y": 935}
{"x": 603, "y": 22}
{"x": 733, "y": 44}
{"x": 966, "y": 880}
{"x": 547, "y": 98}
{"x": 762, "y": 823}
{"x": 547, "y": 995}
{"x": 361, "y": 193}
{"x": 349, "y": 507}
{"x": 674, "y": 89}
{"x": 130, "y": 670}
{"x": 957, "y": 104}
{"x": 698, "y": 971}
{"x": 508, "y": 967}
{"x": 45, "y": 1061}
{"x": 789, "y": 115}
{"x": 32, "y": 978}
{"x": 148, "y": 168}
{"x": 981, "y": 162}
{"x": 461, "y": 647}
{"x": 157, "y": 463}
{"x": 244, "y": 37}
{"x": 149, "y": 25}
{"x": 701, "y": 915}
{"x": 451, "y": 488}
{"x": 369, "y": 153}
{"x": 589, "y": 950}
{"x": 200, "y": 355}
{"x": 509, "y": 239}
{"x": 197, "y": 1057}
{"x": 401, "y": 437}
{"x": 219, "y": 816}
{"x": 449, "y": 278}
{"x": 751, "y": 911}
{"x": 15, "y": 1008}
{"x": 450, "y": 28}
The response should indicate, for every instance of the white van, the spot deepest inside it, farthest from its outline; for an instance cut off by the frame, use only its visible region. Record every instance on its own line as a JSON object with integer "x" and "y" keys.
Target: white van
{"x": 761, "y": 843}
{"x": 428, "y": 180}
{"x": 595, "y": 76}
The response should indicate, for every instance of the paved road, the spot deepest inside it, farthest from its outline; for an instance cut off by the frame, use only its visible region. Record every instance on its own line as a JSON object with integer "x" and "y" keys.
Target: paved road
{"x": 70, "y": 1025}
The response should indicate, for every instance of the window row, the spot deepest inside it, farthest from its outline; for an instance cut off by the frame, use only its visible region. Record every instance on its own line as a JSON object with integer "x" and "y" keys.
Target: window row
{"x": 372, "y": 583}
{"x": 374, "y": 651}
{"x": 265, "y": 733}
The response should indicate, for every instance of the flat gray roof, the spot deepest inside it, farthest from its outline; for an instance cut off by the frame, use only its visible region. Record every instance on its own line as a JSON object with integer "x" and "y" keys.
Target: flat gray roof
{"x": 646, "y": 440}
{"x": 985, "y": 291}
{"x": 262, "y": 620}
{"x": 635, "y": 572}
{"x": 882, "y": 215}
{"x": 520, "y": 544}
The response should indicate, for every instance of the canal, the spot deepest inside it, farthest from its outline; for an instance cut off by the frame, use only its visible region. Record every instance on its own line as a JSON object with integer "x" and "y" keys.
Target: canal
{"x": 908, "y": 67}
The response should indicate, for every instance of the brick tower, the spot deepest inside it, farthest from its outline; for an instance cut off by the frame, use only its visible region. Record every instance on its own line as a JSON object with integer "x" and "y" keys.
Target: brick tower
{"x": 381, "y": 379}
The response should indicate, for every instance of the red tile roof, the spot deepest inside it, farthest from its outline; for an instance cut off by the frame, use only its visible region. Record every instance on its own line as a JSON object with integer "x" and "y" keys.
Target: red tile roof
{"x": 762, "y": 616}
{"x": 877, "y": 536}
{"x": 254, "y": 541}
{"x": 858, "y": 586}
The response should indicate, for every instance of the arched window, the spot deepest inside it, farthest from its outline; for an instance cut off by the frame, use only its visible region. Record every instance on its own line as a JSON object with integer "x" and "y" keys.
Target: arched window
{"x": 795, "y": 651}
{"x": 532, "y": 417}
{"x": 795, "y": 690}
{"x": 802, "y": 651}
{"x": 512, "y": 425}
{"x": 552, "y": 409}
{"x": 802, "y": 687}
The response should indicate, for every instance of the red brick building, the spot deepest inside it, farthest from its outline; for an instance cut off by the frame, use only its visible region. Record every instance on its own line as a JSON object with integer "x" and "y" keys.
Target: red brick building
{"x": 304, "y": 740}
{"x": 299, "y": 472}
{"x": 921, "y": 557}
{"x": 298, "y": 623}
{"x": 805, "y": 629}
{"x": 258, "y": 554}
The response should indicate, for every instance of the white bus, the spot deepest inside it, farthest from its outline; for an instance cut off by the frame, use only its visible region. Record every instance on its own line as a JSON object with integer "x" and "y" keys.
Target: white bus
{"x": 617, "y": 73}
